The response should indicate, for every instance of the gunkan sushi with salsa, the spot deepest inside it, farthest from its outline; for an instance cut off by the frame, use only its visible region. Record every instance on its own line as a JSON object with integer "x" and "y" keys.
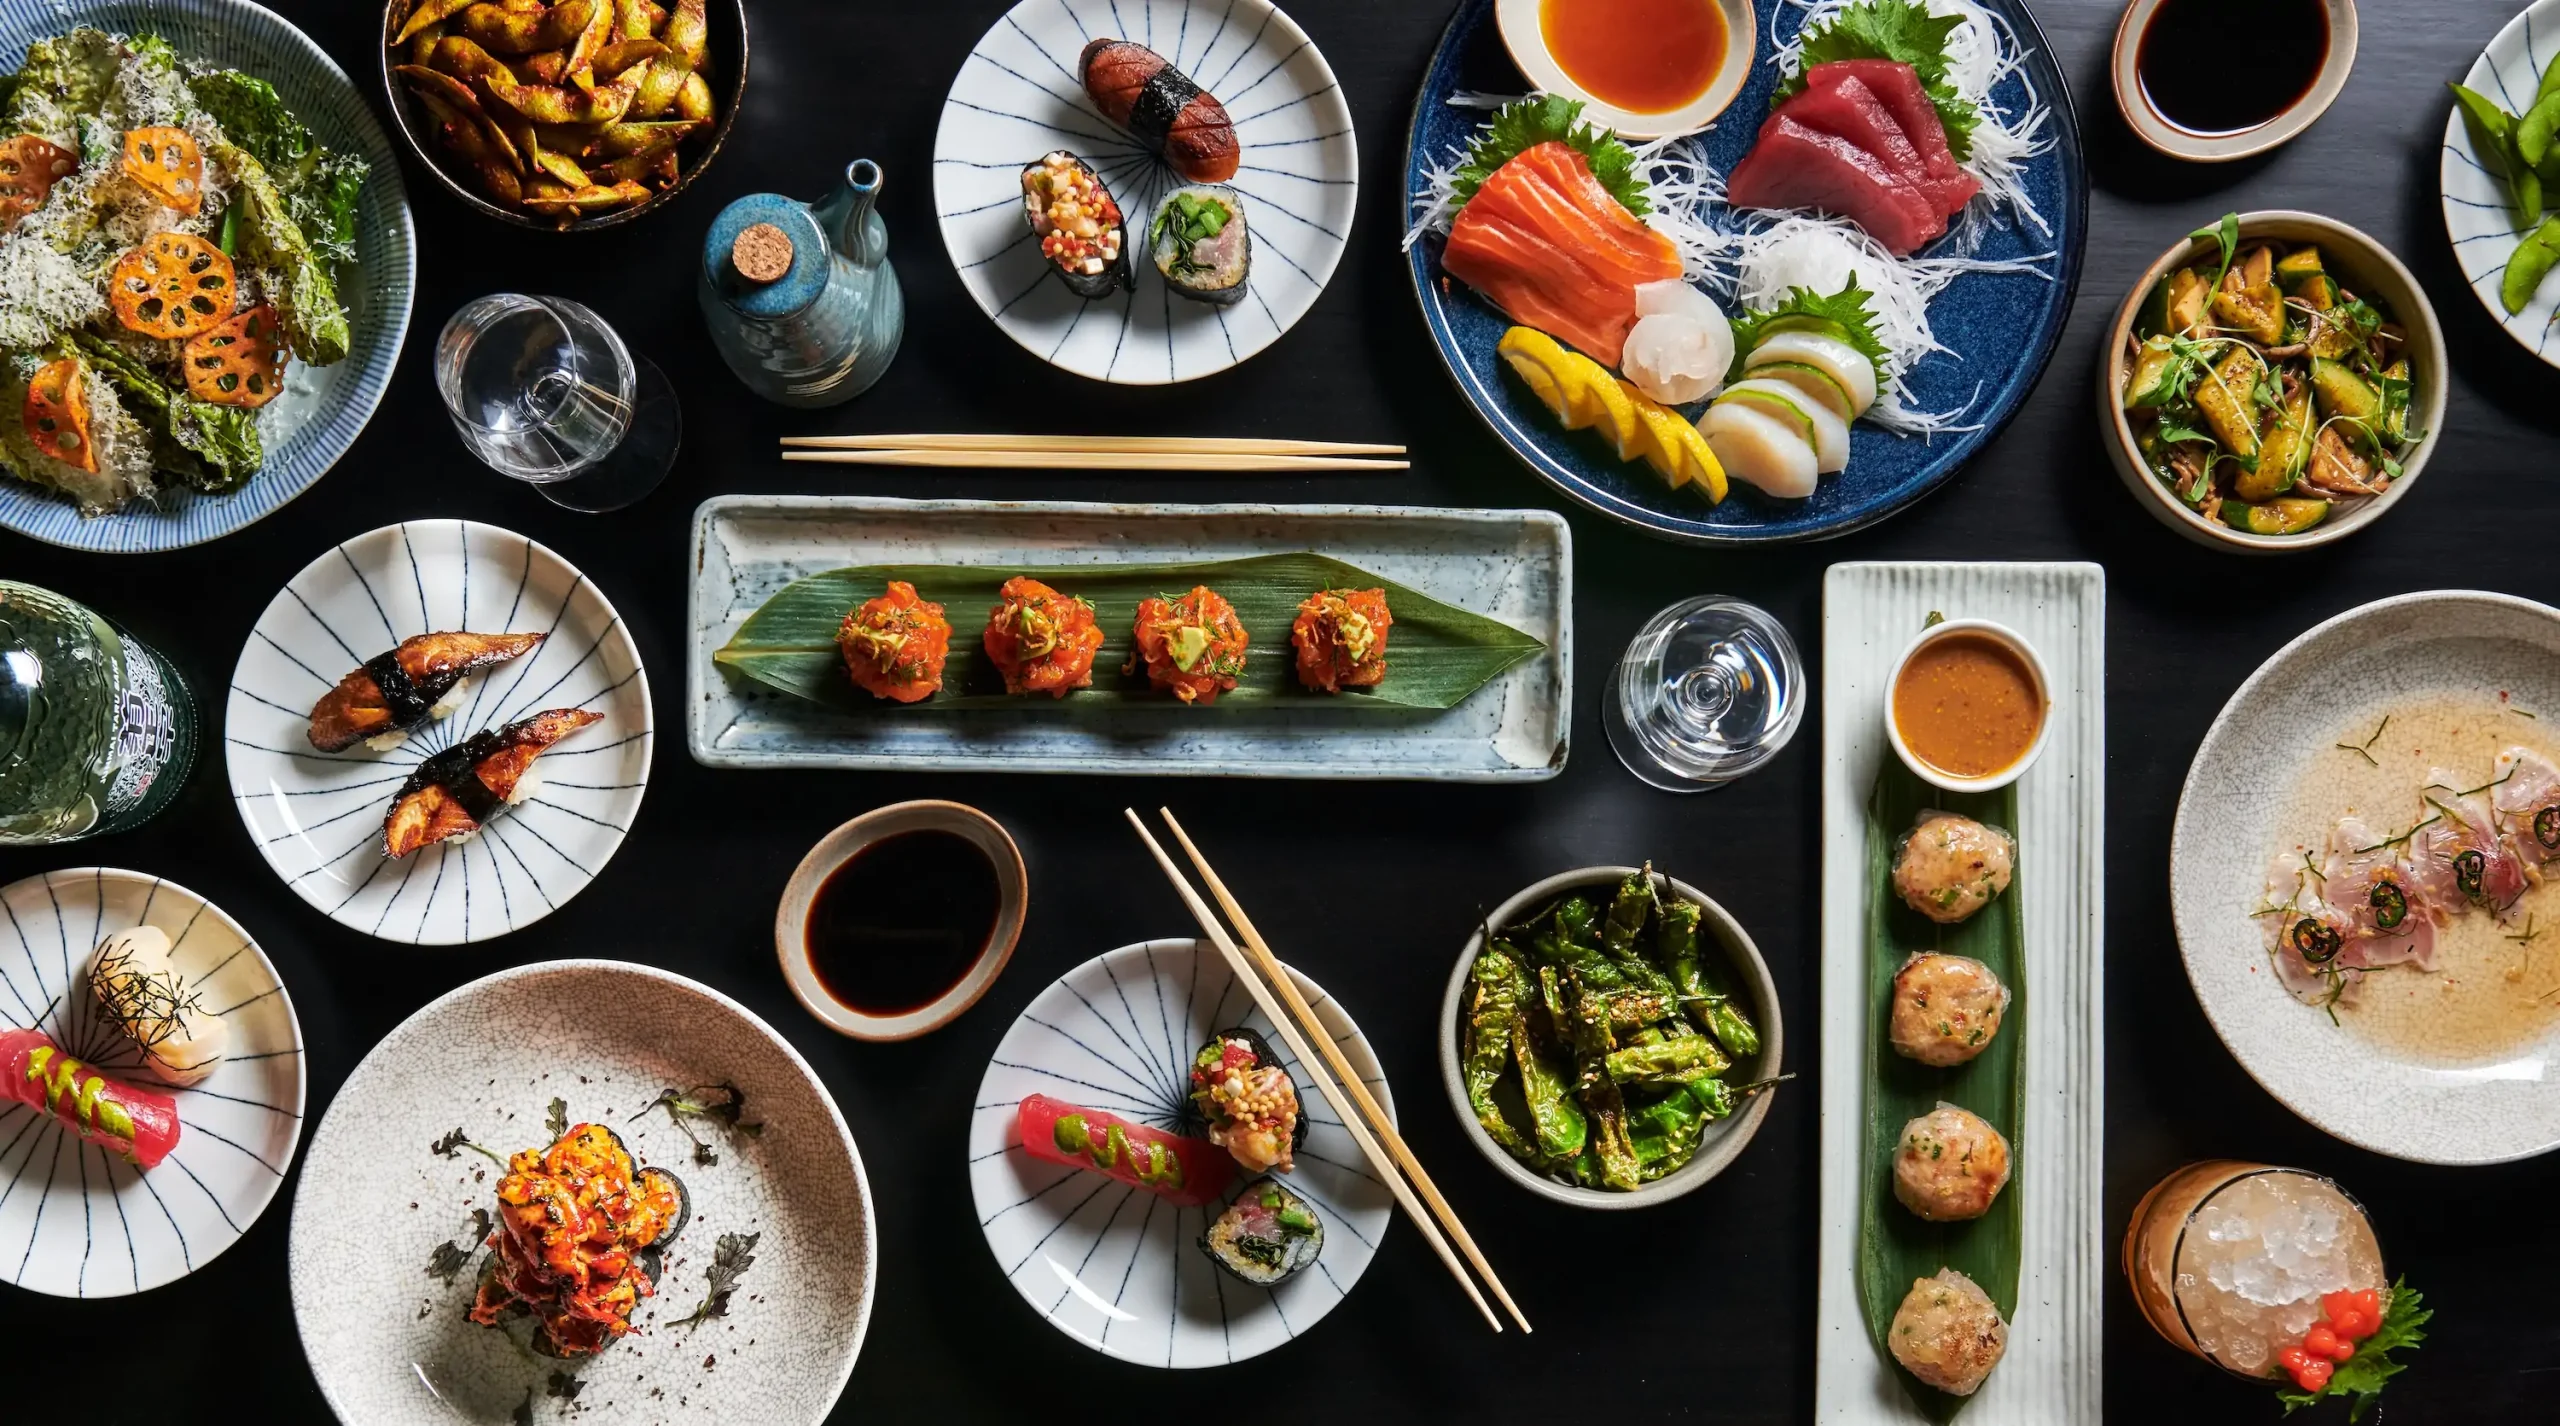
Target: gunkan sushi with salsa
{"x": 1242, "y": 1090}
{"x": 1078, "y": 224}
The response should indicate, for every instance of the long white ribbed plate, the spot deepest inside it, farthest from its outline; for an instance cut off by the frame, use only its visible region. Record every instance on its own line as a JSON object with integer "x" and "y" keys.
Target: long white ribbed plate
{"x": 2054, "y": 1364}
{"x": 1511, "y": 565}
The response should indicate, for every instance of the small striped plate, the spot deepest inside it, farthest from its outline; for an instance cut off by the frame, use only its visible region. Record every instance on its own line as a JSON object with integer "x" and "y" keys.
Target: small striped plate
{"x": 1119, "y": 1270}
{"x": 1018, "y": 96}
{"x": 317, "y": 817}
{"x": 2478, "y": 216}
{"x": 76, "y": 1220}
{"x": 323, "y": 409}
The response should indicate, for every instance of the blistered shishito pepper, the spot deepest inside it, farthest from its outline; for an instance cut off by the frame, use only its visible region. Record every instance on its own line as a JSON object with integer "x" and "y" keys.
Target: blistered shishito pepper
{"x": 1553, "y": 1116}
{"x": 1498, "y": 987}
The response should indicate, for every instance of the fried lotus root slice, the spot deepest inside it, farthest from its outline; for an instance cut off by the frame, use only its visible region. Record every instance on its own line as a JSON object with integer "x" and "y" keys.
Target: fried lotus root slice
{"x": 239, "y": 363}
{"x": 165, "y": 161}
{"x": 57, "y": 415}
{"x": 29, "y": 167}
{"x": 174, "y": 286}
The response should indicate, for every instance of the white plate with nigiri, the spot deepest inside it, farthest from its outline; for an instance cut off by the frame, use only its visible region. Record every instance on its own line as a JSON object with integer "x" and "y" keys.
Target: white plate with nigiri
{"x": 187, "y": 1074}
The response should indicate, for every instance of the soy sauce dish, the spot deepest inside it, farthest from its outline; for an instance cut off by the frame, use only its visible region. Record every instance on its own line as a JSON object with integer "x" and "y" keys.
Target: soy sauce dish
{"x": 900, "y": 919}
{"x": 2181, "y": 93}
{"x": 1969, "y": 706}
{"x": 1643, "y": 68}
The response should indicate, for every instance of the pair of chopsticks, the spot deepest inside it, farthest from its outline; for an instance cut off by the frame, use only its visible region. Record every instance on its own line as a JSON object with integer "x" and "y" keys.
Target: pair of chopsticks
{"x": 1333, "y": 1075}
{"x": 1094, "y": 452}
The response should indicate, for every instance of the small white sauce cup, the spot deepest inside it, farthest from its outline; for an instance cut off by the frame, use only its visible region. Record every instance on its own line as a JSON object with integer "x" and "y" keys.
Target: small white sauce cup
{"x": 2008, "y": 638}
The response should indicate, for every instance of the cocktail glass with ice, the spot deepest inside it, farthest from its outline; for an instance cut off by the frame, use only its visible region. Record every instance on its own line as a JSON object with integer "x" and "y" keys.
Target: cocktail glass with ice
{"x": 2229, "y": 1260}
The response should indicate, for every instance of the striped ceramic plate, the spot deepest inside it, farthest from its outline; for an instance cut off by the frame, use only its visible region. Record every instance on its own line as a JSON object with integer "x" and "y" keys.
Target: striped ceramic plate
{"x": 1120, "y": 1270}
{"x": 317, "y": 817}
{"x": 2478, "y": 215}
{"x": 76, "y": 1220}
{"x": 1018, "y": 96}
{"x": 324, "y": 408}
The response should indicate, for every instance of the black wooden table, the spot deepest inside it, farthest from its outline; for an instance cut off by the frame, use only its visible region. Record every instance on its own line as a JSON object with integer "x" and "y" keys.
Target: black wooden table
{"x": 693, "y": 888}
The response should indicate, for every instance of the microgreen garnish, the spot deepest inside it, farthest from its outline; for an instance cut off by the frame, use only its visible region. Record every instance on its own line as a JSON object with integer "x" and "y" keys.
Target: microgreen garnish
{"x": 2364, "y": 749}
{"x": 2227, "y": 233}
{"x": 729, "y": 1262}
{"x": 564, "y": 1386}
{"x": 557, "y": 1120}
{"x": 449, "y": 1259}
{"x": 723, "y": 1104}
{"x": 2528, "y": 935}
{"x": 456, "y": 1141}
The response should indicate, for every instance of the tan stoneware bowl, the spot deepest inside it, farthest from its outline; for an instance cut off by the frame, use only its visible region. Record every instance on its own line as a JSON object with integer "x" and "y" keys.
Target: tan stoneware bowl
{"x": 2155, "y": 129}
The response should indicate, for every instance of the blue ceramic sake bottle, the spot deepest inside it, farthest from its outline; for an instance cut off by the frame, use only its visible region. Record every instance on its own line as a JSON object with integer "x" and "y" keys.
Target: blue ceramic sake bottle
{"x": 800, "y": 298}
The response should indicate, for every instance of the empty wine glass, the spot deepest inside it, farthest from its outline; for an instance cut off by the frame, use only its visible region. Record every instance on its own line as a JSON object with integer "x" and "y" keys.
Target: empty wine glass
{"x": 544, "y": 391}
{"x": 1709, "y": 689}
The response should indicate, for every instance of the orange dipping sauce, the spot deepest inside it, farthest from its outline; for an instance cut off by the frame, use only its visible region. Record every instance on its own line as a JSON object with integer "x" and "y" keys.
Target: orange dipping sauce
{"x": 1967, "y": 705}
{"x": 1643, "y": 56}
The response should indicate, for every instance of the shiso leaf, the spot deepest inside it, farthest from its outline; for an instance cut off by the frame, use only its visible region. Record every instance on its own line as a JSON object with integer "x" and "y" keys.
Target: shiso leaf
{"x": 735, "y": 1254}
{"x": 1895, "y": 1246}
{"x": 1848, "y": 307}
{"x": 1438, "y": 655}
{"x": 1902, "y": 31}
{"x": 2365, "y": 1374}
{"x": 1524, "y": 124}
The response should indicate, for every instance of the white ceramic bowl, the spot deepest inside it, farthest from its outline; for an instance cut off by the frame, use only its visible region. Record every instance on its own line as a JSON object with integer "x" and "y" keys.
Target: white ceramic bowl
{"x": 2008, "y": 638}
{"x": 791, "y": 919}
{"x": 2152, "y": 128}
{"x": 2365, "y": 267}
{"x": 2479, "y": 216}
{"x": 1526, "y": 39}
{"x": 1724, "y": 1141}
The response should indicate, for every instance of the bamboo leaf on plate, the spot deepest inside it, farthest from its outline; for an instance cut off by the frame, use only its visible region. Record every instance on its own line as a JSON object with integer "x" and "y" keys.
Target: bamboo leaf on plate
{"x": 1896, "y": 1246}
{"x": 1437, "y": 654}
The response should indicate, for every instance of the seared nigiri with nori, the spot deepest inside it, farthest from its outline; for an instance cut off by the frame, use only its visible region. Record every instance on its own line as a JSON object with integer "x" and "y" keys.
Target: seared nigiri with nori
{"x": 460, "y": 789}
{"x": 396, "y": 691}
{"x": 1200, "y": 243}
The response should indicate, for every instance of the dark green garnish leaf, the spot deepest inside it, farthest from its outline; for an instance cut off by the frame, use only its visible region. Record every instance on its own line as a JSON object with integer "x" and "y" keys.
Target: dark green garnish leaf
{"x": 2364, "y": 1375}
{"x": 1902, "y": 31}
{"x": 564, "y": 1386}
{"x": 722, "y": 1104}
{"x": 447, "y": 1262}
{"x": 1524, "y": 124}
{"x": 2227, "y": 234}
{"x": 729, "y": 1262}
{"x": 453, "y": 1143}
{"x": 557, "y": 1121}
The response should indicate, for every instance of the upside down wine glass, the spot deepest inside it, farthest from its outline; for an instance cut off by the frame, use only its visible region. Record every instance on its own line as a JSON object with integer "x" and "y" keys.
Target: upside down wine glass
{"x": 543, "y": 390}
{"x": 1709, "y": 689}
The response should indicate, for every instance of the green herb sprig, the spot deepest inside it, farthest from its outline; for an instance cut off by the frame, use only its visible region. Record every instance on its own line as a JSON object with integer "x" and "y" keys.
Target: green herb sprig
{"x": 729, "y": 1262}
{"x": 2364, "y": 1375}
{"x": 722, "y": 1104}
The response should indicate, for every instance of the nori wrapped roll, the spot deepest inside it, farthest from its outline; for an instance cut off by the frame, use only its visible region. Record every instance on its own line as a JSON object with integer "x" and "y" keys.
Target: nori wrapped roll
{"x": 1252, "y": 1106}
{"x": 1267, "y": 1236}
{"x": 1081, "y": 232}
{"x": 1200, "y": 243}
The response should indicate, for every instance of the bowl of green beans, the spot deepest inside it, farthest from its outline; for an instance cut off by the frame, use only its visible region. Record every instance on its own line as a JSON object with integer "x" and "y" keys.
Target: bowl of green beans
{"x": 1610, "y": 1038}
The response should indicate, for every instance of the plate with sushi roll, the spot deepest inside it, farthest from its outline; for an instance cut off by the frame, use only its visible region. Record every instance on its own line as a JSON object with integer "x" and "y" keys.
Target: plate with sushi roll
{"x": 1152, "y": 1173}
{"x": 1150, "y": 202}
{"x": 1786, "y": 325}
{"x": 151, "y": 1082}
{"x": 585, "y": 1181}
{"x": 438, "y": 732}
{"x": 1961, "y": 1256}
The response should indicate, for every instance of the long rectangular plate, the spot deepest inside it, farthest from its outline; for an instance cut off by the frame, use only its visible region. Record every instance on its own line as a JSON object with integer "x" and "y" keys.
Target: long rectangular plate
{"x": 1870, "y": 612}
{"x": 1512, "y": 565}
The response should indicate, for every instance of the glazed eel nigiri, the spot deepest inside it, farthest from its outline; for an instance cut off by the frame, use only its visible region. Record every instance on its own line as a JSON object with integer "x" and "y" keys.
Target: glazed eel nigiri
{"x": 399, "y": 690}
{"x": 141, "y": 1124}
{"x": 460, "y": 789}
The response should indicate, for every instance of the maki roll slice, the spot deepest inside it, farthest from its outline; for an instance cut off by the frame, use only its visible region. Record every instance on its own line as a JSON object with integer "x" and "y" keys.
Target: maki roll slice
{"x": 1193, "y": 644}
{"x": 1341, "y": 638}
{"x": 894, "y": 646}
{"x": 1248, "y": 1099}
{"x": 1266, "y": 1237}
{"x": 1040, "y": 640}
{"x": 1200, "y": 243}
{"x": 1078, "y": 224}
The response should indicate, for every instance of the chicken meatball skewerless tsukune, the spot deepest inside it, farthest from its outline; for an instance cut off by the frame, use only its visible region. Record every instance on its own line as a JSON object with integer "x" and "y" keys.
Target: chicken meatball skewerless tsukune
{"x": 1193, "y": 644}
{"x": 1948, "y": 1333}
{"x": 1950, "y": 1165}
{"x": 1041, "y": 640}
{"x": 894, "y": 645}
{"x": 1946, "y": 1009}
{"x": 1341, "y": 637}
{"x": 1948, "y": 867}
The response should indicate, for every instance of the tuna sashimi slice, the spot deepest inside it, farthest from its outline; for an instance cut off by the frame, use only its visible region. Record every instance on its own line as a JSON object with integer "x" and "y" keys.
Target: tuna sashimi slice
{"x": 1898, "y": 91}
{"x": 1794, "y": 166}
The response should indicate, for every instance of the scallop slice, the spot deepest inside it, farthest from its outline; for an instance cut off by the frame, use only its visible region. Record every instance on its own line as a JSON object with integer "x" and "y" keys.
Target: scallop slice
{"x": 1813, "y": 381}
{"x": 1831, "y": 356}
{"x": 1758, "y": 448}
{"x": 1828, "y": 433}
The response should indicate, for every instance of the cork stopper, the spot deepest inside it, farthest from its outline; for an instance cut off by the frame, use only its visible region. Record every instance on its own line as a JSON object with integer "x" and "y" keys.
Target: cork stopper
{"x": 762, "y": 253}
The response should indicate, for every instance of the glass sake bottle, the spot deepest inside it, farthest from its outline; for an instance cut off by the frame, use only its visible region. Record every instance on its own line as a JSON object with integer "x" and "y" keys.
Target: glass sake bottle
{"x": 97, "y": 730}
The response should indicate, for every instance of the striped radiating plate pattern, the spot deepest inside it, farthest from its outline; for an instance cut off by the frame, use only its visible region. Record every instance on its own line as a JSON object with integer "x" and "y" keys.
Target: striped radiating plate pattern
{"x": 1018, "y": 96}
{"x": 324, "y": 408}
{"x": 1870, "y": 612}
{"x": 76, "y": 1220}
{"x": 1120, "y": 1270}
{"x": 2478, "y": 216}
{"x": 317, "y": 817}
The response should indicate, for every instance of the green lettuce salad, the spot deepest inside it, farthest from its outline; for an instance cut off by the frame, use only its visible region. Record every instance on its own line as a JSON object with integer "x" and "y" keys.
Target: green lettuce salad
{"x": 171, "y": 238}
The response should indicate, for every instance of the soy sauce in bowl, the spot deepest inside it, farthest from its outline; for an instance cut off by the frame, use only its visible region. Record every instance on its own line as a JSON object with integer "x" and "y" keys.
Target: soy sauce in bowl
{"x": 902, "y": 921}
{"x": 2187, "y": 61}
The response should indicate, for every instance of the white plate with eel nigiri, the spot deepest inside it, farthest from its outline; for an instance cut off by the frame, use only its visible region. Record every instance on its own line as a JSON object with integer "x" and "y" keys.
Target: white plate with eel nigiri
{"x": 2365, "y": 874}
{"x": 438, "y": 732}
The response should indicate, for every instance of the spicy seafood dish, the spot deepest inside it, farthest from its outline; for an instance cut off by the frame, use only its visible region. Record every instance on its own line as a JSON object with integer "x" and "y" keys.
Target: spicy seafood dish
{"x": 173, "y": 237}
{"x": 581, "y": 1238}
{"x": 1596, "y": 1041}
{"x": 2265, "y": 393}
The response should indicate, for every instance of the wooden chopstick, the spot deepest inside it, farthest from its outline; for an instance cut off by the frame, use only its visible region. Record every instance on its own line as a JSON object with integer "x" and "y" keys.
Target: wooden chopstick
{"x": 1089, "y": 460}
{"x": 1350, "y": 1078}
{"x": 1315, "y": 1068}
{"x": 1125, "y": 445}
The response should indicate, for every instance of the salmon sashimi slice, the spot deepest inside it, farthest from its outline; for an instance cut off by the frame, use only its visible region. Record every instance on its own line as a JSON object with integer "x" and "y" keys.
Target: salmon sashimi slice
{"x": 460, "y": 789}
{"x": 1896, "y": 87}
{"x": 1543, "y": 240}
{"x": 1793, "y": 166}
{"x": 1848, "y": 108}
{"x": 400, "y": 689}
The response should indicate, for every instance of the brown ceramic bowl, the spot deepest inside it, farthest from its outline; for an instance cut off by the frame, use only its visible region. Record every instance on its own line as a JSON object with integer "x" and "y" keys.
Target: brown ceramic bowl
{"x": 2154, "y": 129}
{"x": 727, "y": 20}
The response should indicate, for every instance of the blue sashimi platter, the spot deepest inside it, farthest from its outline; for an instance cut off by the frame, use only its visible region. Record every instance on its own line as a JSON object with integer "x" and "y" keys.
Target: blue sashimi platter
{"x": 1999, "y": 328}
